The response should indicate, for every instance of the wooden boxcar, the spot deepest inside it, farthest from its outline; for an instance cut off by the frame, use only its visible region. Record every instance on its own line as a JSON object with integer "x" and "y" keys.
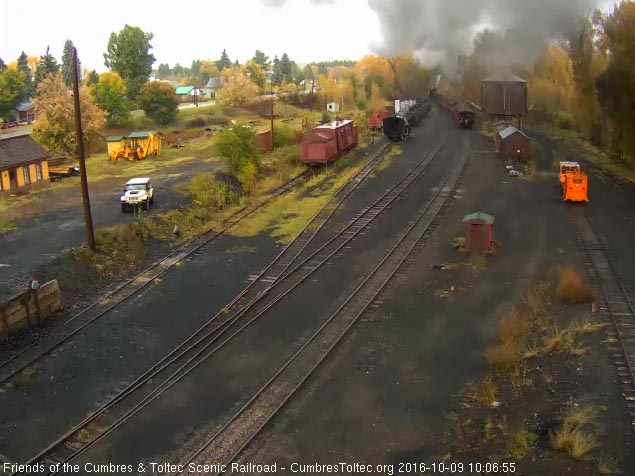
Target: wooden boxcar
{"x": 327, "y": 142}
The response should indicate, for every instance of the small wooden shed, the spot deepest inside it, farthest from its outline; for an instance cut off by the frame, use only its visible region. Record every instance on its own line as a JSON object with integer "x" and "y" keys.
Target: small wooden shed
{"x": 479, "y": 236}
{"x": 511, "y": 142}
{"x": 263, "y": 140}
{"x": 115, "y": 143}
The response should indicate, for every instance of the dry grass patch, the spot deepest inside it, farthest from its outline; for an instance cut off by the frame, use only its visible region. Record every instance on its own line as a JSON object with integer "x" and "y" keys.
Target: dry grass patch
{"x": 504, "y": 357}
{"x": 571, "y": 437}
{"x": 572, "y": 288}
{"x": 587, "y": 327}
{"x": 485, "y": 392}
{"x": 608, "y": 466}
{"x": 558, "y": 339}
{"x": 119, "y": 249}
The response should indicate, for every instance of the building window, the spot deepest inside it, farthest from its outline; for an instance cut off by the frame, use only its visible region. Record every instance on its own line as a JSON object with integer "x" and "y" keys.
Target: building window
{"x": 38, "y": 171}
{"x": 25, "y": 174}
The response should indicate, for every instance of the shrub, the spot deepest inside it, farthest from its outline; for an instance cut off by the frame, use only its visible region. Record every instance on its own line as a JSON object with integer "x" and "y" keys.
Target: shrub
{"x": 564, "y": 120}
{"x": 572, "y": 289}
{"x": 520, "y": 443}
{"x": 158, "y": 101}
{"x": 247, "y": 176}
{"x": 326, "y": 116}
{"x": 208, "y": 191}
{"x": 283, "y": 136}
{"x": 238, "y": 147}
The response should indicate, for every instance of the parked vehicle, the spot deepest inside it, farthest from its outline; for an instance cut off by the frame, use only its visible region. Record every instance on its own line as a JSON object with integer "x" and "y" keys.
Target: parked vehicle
{"x": 138, "y": 192}
{"x": 568, "y": 167}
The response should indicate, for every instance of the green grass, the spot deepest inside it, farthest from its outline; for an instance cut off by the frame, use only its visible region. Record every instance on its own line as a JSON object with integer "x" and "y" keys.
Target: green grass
{"x": 7, "y": 226}
{"x": 298, "y": 206}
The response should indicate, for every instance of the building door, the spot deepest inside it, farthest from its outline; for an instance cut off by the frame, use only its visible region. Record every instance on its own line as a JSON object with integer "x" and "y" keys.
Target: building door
{"x": 13, "y": 179}
{"x": 479, "y": 238}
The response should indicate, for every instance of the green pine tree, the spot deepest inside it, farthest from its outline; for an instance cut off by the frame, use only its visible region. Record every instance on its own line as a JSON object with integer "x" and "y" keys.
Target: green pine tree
{"x": 67, "y": 58}
{"x": 47, "y": 65}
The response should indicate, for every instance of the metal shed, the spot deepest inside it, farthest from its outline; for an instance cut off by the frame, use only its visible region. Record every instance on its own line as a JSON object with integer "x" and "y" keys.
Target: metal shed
{"x": 479, "y": 237}
{"x": 333, "y": 107}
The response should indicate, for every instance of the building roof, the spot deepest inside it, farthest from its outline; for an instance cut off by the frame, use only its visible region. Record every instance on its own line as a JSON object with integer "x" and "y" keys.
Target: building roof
{"x": 479, "y": 216}
{"x": 20, "y": 150}
{"x": 24, "y": 106}
{"x": 113, "y": 138}
{"x": 334, "y": 124}
{"x": 141, "y": 134}
{"x": 181, "y": 90}
{"x": 504, "y": 78}
{"x": 216, "y": 82}
{"x": 508, "y": 131}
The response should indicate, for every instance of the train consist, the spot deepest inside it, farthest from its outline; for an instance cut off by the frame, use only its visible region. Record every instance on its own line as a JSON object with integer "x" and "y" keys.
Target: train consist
{"x": 463, "y": 114}
{"x": 329, "y": 141}
{"x": 408, "y": 113}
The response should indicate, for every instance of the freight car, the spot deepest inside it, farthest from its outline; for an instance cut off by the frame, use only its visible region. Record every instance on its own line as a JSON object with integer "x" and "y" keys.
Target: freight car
{"x": 376, "y": 119}
{"x": 327, "y": 142}
{"x": 463, "y": 114}
{"x": 396, "y": 128}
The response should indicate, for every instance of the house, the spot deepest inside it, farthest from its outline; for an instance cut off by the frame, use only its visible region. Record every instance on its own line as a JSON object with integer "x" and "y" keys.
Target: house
{"x": 23, "y": 164}
{"x": 214, "y": 85}
{"x": 26, "y": 112}
{"x": 190, "y": 94}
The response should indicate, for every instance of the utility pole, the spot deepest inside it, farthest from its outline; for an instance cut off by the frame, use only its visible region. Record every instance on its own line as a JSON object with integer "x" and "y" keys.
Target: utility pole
{"x": 90, "y": 234}
{"x": 272, "y": 146}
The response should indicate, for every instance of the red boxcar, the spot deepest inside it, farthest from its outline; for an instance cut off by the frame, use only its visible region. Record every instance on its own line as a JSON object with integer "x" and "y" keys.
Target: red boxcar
{"x": 327, "y": 142}
{"x": 376, "y": 119}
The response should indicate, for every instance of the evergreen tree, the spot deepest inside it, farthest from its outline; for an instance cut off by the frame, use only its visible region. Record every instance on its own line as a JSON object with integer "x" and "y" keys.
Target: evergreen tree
{"x": 195, "y": 70}
{"x": 261, "y": 58}
{"x": 163, "y": 71}
{"x": 223, "y": 62}
{"x": 47, "y": 65}
{"x": 3, "y": 65}
{"x": 23, "y": 66}
{"x": 286, "y": 75}
{"x": 178, "y": 70}
{"x": 129, "y": 55}
{"x": 277, "y": 77}
{"x": 67, "y": 59}
{"x": 92, "y": 78}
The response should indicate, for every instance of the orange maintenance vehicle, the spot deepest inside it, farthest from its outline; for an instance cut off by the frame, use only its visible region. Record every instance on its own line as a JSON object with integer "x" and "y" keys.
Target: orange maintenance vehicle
{"x": 574, "y": 182}
{"x": 568, "y": 167}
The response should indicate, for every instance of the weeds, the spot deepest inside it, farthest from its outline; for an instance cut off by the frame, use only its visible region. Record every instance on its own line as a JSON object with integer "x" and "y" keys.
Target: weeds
{"x": 608, "y": 466}
{"x": 7, "y": 226}
{"x": 572, "y": 289}
{"x": 571, "y": 437}
{"x": 520, "y": 443}
{"x": 485, "y": 392}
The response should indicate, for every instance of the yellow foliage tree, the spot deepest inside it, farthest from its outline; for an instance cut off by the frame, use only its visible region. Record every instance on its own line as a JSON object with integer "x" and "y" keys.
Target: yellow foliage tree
{"x": 55, "y": 123}
{"x": 238, "y": 90}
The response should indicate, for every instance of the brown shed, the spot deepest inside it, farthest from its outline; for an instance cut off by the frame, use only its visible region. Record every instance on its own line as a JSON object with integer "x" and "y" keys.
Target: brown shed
{"x": 23, "y": 164}
{"x": 479, "y": 237}
{"x": 512, "y": 143}
{"x": 263, "y": 140}
{"x": 504, "y": 95}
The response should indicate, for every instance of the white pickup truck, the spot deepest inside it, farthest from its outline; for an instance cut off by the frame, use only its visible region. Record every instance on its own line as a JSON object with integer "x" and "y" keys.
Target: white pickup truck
{"x": 138, "y": 192}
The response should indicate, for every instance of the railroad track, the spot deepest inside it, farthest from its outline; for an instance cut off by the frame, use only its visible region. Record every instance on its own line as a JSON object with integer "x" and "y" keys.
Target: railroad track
{"x": 614, "y": 304}
{"x": 194, "y": 351}
{"x": 132, "y": 286}
{"x": 233, "y": 436}
{"x": 65, "y": 449}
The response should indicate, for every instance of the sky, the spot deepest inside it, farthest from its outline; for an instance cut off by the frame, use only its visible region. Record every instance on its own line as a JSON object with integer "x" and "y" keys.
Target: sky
{"x": 307, "y": 30}
{"x": 193, "y": 29}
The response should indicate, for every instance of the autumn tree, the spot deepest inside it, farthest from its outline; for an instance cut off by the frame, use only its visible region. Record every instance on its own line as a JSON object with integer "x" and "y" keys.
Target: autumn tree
{"x": 238, "y": 89}
{"x": 208, "y": 70}
{"x": 110, "y": 94}
{"x": 616, "y": 89}
{"x": 256, "y": 73}
{"x": 12, "y": 90}
{"x": 129, "y": 55}
{"x": 55, "y": 116}
{"x": 91, "y": 77}
{"x": 159, "y": 102}
{"x": 47, "y": 65}
{"x": 67, "y": 58}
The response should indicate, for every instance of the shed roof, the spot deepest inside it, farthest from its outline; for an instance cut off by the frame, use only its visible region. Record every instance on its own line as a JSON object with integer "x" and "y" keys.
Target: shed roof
{"x": 479, "y": 216}
{"x": 24, "y": 106}
{"x": 180, "y": 90}
{"x": 20, "y": 150}
{"x": 509, "y": 131}
{"x": 141, "y": 134}
{"x": 504, "y": 78}
{"x": 113, "y": 138}
{"x": 334, "y": 124}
